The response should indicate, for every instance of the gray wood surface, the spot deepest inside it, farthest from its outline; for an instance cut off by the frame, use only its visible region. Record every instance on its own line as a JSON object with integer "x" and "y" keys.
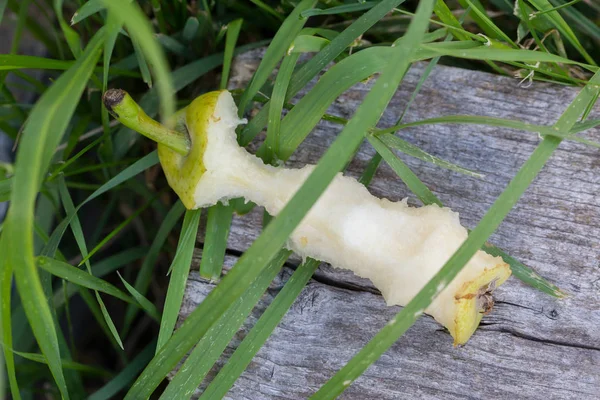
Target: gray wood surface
{"x": 531, "y": 345}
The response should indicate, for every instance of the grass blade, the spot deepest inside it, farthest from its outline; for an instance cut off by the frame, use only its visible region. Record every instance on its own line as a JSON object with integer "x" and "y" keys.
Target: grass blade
{"x": 146, "y": 304}
{"x": 308, "y": 44}
{"x": 10, "y": 62}
{"x": 2, "y": 380}
{"x": 91, "y": 7}
{"x": 233, "y": 31}
{"x": 505, "y": 55}
{"x": 67, "y": 364}
{"x": 445, "y": 15}
{"x": 179, "y": 270}
{"x": 71, "y": 160}
{"x": 78, "y": 277}
{"x": 70, "y": 34}
{"x": 173, "y": 45}
{"x": 259, "y": 334}
{"x": 277, "y": 100}
{"x": 215, "y": 241}
{"x": 542, "y": 130}
{"x": 346, "y": 8}
{"x": 585, "y": 125}
{"x": 473, "y": 119}
{"x": 524, "y": 273}
{"x": 13, "y": 62}
{"x": 142, "y": 63}
{"x": 410, "y": 179}
{"x": 190, "y": 29}
{"x": 5, "y": 189}
{"x": 393, "y": 141}
{"x": 6, "y": 320}
{"x": 109, "y": 322}
{"x": 268, "y": 9}
{"x": 2, "y": 8}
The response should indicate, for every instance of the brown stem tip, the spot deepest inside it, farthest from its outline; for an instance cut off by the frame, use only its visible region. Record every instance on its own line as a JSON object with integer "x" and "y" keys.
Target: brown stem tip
{"x": 111, "y": 98}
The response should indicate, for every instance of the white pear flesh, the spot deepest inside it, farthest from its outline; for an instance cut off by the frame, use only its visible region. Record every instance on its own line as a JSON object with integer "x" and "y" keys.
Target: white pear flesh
{"x": 398, "y": 247}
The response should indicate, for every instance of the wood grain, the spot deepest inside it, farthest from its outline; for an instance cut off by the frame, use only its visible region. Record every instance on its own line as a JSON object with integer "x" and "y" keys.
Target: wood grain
{"x": 531, "y": 345}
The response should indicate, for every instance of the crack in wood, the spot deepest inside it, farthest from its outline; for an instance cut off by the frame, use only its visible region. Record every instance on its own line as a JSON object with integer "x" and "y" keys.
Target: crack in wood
{"x": 521, "y": 335}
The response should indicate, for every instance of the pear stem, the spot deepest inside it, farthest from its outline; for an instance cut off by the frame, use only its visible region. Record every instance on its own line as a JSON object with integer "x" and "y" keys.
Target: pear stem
{"x": 121, "y": 106}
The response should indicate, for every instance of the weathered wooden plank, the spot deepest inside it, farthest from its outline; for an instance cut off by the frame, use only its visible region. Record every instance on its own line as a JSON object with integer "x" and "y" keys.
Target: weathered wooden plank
{"x": 532, "y": 345}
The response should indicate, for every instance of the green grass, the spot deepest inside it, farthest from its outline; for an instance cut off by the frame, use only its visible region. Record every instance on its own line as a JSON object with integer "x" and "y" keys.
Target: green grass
{"x": 135, "y": 256}
{"x": 179, "y": 271}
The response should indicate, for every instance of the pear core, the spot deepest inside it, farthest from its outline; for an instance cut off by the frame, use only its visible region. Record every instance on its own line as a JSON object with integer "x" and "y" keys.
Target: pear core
{"x": 398, "y": 247}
